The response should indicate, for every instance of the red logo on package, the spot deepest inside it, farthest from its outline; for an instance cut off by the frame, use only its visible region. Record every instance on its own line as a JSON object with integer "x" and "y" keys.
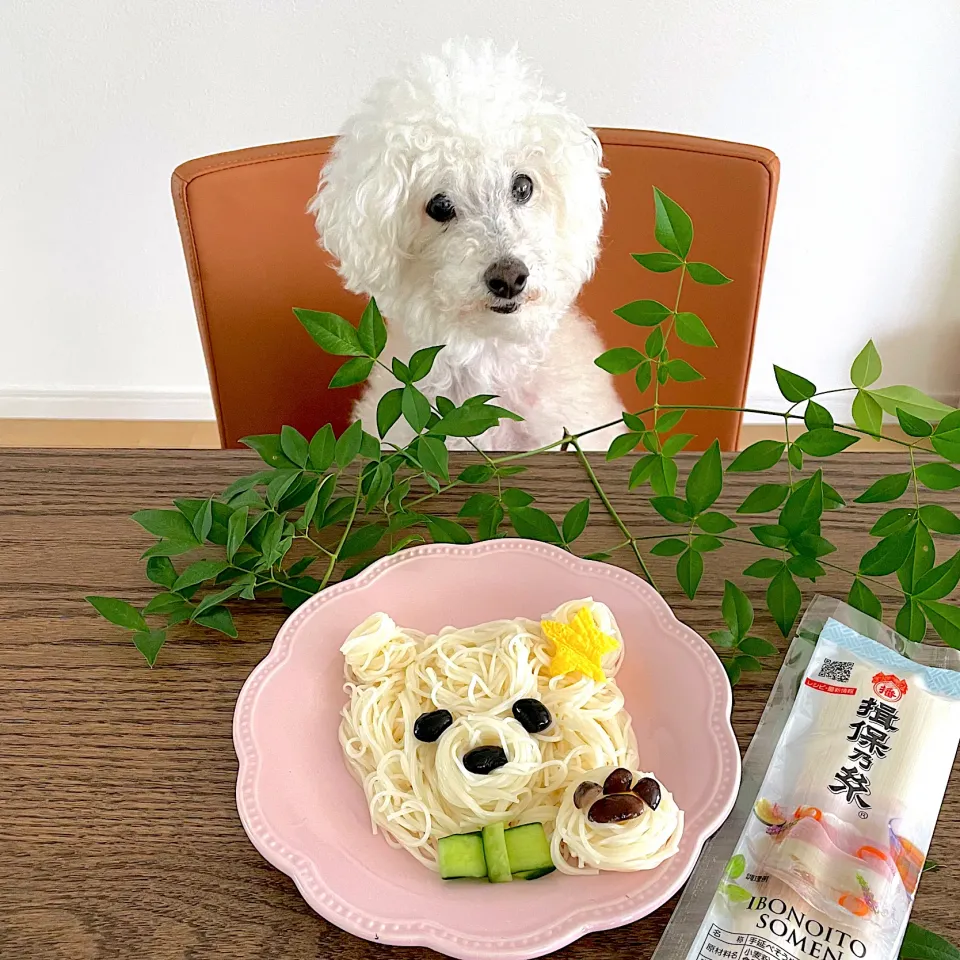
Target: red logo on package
{"x": 888, "y": 687}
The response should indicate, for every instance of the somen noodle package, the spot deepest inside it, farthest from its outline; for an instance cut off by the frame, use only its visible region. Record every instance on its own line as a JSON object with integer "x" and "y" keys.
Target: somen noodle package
{"x": 833, "y": 835}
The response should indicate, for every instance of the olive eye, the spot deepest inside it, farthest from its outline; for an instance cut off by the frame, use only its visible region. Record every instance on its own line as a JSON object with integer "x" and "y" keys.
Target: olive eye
{"x": 522, "y": 188}
{"x": 532, "y": 715}
{"x": 429, "y": 726}
{"x": 441, "y": 208}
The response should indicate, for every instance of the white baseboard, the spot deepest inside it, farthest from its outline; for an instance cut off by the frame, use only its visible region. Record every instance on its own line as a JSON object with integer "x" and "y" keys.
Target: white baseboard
{"x": 837, "y": 404}
{"x": 97, "y": 404}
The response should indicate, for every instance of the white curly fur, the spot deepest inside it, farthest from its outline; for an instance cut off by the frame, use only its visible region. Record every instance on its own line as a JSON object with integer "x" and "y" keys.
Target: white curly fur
{"x": 464, "y": 124}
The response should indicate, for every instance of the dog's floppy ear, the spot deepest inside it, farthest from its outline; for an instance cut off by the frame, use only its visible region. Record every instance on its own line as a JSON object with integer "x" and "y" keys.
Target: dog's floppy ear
{"x": 359, "y": 209}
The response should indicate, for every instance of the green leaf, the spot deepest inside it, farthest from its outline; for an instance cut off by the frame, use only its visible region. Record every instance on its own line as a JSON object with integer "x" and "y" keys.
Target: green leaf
{"x": 795, "y": 456}
{"x": 642, "y": 470}
{"x": 804, "y": 506}
{"x": 400, "y": 370}
{"x": 920, "y": 944}
{"x": 443, "y": 530}
{"x": 939, "y": 519}
{"x": 704, "y": 273}
{"x": 322, "y": 448}
{"x": 470, "y": 420}
{"x": 920, "y": 560}
{"x": 619, "y": 360}
{"x": 644, "y": 313}
{"x": 892, "y": 522}
{"x": 689, "y": 572}
{"x": 823, "y": 442}
{"x": 888, "y": 555}
{"x": 734, "y": 673}
{"x": 691, "y": 329}
{"x": 534, "y": 524}
{"x": 913, "y": 426}
{"x": 477, "y": 505}
{"x": 337, "y": 510}
{"x": 119, "y": 612}
{"x": 415, "y": 407}
{"x": 317, "y": 502}
{"x": 360, "y": 540}
{"x": 771, "y": 535}
{"x": 911, "y": 622}
{"x": 750, "y": 664}
{"x": 737, "y": 610}
{"x": 372, "y": 332}
{"x": 867, "y": 413}
{"x": 634, "y": 423}
{"x": 433, "y": 456}
{"x": 149, "y": 642}
{"x": 331, "y": 333}
{"x": 303, "y": 564}
{"x": 166, "y": 523}
{"x": 761, "y": 455}
{"x": 644, "y": 376}
{"x": 220, "y": 619}
{"x": 736, "y": 866}
{"x": 715, "y": 522}
{"x": 444, "y": 405}
{"x": 354, "y": 371}
{"x": 866, "y": 367}
{"x": 681, "y": 371}
{"x": 817, "y": 416}
{"x": 758, "y": 647}
{"x": 910, "y": 400}
{"x": 705, "y": 542}
{"x": 294, "y": 445}
{"x": 215, "y": 599}
{"x": 722, "y": 638}
{"x": 622, "y": 444}
{"x": 667, "y": 421}
{"x": 766, "y": 497}
{"x": 575, "y": 521}
{"x": 941, "y": 581}
{"x": 654, "y": 343}
{"x": 280, "y": 484}
{"x": 489, "y": 522}
{"x": 663, "y": 476}
{"x": 673, "y": 228}
{"x": 203, "y": 520}
{"x": 476, "y": 473}
{"x": 946, "y": 437}
{"x": 657, "y": 262}
{"x": 805, "y": 567}
{"x": 783, "y": 600}
{"x": 293, "y": 594}
{"x": 675, "y": 443}
{"x": 706, "y": 479}
{"x": 160, "y": 570}
{"x": 268, "y": 446}
{"x": 421, "y": 363}
{"x": 670, "y": 547}
{"x": 514, "y": 497}
{"x": 764, "y": 569}
{"x": 938, "y": 476}
{"x": 198, "y": 572}
{"x": 863, "y": 598}
{"x": 945, "y": 620}
{"x": 169, "y": 548}
{"x": 811, "y": 545}
{"x": 236, "y": 531}
{"x": 673, "y": 509}
{"x": 348, "y": 446}
{"x": 380, "y": 483}
{"x": 885, "y": 489}
{"x": 794, "y": 387}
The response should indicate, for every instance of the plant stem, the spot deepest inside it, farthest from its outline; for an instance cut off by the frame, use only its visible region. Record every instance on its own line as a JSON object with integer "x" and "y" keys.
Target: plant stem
{"x": 666, "y": 337}
{"x": 786, "y": 436}
{"x": 913, "y": 474}
{"x": 346, "y": 530}
{"x": 611, "y": 510}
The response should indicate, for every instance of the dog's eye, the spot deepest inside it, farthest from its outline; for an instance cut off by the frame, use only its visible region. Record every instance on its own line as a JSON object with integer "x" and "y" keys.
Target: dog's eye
{"x": 522, "y": 188}
{"x": 441, "y": 208}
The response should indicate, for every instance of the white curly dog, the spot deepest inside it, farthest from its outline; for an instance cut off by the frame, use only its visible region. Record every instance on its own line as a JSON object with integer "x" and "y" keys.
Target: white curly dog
{"x": 468, "y": 201}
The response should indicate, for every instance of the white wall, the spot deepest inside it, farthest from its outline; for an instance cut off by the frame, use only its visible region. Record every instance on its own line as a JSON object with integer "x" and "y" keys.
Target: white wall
{"x": 100, "y": 100}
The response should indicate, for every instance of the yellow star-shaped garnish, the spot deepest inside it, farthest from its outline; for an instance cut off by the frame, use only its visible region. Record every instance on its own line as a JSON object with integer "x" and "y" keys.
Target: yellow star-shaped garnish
{"x": 580, "y": 645}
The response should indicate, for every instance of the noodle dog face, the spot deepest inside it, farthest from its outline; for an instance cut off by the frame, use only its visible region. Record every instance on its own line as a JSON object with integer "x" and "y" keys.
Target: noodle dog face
{"x": 484, "y": 765}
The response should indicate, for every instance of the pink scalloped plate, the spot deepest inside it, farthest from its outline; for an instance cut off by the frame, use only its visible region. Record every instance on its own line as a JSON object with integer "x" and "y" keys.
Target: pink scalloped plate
{"x": 307, "y": 816}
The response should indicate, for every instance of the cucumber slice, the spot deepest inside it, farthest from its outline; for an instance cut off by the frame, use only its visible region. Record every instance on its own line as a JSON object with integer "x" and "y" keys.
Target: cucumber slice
{"x": 528, "y": 848}
{"x": 461, "y": 855}
{"x": 495, "y": 853}
{"x": 534, "y": 874}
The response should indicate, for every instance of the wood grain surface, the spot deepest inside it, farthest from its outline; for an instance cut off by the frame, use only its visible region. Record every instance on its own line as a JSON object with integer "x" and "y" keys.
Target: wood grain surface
{"x": 119, "y": 836}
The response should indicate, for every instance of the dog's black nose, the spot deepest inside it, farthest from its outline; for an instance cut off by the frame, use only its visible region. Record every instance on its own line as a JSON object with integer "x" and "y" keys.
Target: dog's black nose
{"x": 506, "y": 278}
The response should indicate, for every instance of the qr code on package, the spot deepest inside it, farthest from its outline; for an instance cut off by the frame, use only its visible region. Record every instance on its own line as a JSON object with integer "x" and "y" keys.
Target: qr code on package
{"x": 838, "y": 670}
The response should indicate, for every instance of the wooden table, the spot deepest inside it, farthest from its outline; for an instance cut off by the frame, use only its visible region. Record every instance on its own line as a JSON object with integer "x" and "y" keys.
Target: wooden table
{"x": 119, "y": 836}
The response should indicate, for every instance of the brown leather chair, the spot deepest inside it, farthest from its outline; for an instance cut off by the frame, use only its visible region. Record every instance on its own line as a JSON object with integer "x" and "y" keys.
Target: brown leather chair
{"x": 252, "y": 256}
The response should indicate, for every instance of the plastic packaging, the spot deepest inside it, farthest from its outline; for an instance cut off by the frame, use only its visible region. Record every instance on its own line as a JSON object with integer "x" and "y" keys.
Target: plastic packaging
{"x": 841, "y": 791}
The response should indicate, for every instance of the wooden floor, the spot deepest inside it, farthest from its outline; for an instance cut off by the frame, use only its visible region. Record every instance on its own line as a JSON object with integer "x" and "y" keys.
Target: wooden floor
{"x": 202, "y": 434}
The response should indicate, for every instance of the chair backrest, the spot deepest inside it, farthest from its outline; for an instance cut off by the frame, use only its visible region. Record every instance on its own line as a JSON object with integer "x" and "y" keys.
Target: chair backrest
{"x": 252, "y": 256}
